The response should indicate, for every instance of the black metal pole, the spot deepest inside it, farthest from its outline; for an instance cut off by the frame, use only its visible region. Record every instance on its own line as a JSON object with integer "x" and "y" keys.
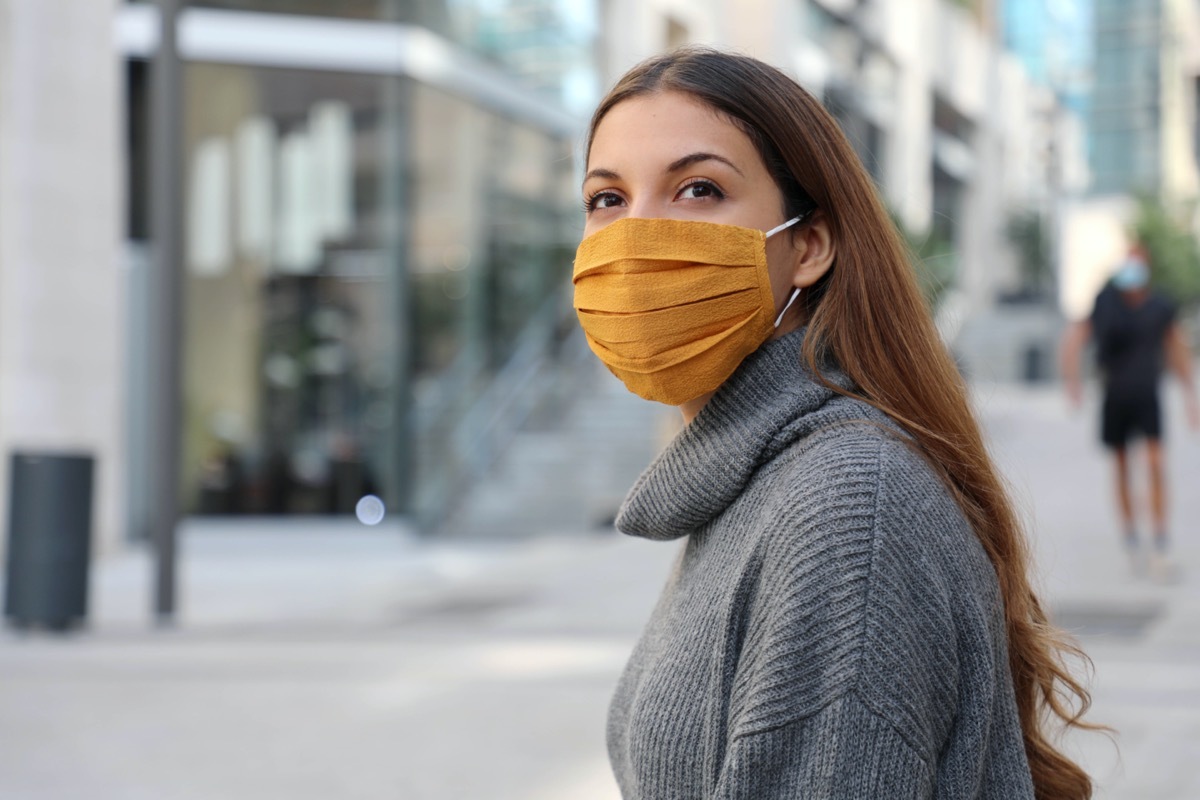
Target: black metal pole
{"x": 166, "y": 113}
{"x": 399, "y": 467}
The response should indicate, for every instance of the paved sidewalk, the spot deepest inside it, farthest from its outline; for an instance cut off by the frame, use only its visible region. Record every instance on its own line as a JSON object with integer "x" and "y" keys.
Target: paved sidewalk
{"x": 352, "y": 666}
{"x": 1143, "y": 637}
{"x": 344, "y": 663}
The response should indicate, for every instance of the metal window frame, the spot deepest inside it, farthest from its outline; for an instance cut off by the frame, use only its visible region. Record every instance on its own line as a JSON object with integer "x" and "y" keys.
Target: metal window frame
{"x": 341, "y": 45}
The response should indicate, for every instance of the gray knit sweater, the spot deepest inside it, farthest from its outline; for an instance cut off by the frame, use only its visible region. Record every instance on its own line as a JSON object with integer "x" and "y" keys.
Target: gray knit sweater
{"x": 833, "y": 628}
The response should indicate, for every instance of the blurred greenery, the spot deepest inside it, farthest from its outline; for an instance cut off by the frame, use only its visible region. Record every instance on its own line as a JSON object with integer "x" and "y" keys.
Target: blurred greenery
{"x": 974, "y": 6}
{"x": 1026, "y": 232}
{"x": 1173, "y": 250}
{"x": 933, "y": 258}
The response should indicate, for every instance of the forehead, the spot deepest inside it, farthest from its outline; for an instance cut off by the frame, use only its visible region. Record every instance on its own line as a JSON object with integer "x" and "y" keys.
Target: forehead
{"x": 663, "y": 126}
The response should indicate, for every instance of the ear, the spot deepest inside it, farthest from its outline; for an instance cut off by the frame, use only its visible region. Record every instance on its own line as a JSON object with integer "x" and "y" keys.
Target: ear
{"x": 813, "y": 251}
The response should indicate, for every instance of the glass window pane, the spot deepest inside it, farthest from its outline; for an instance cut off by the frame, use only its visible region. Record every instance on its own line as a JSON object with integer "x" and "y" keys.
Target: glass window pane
{"x": 290, "y": 330}
{"x": 494, "y": 220}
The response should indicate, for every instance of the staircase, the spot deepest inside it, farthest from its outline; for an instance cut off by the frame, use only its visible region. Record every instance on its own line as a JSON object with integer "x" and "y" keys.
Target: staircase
{"x": 567, "y": 470}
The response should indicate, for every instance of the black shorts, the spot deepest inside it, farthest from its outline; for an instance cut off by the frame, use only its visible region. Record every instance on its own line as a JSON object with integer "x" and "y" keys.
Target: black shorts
{"x": 1126, "y": 415}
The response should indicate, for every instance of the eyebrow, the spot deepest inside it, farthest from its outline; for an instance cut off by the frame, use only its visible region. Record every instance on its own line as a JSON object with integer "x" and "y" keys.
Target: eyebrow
{"x": 674, "y": 166}
{"x": 695, "y": 158}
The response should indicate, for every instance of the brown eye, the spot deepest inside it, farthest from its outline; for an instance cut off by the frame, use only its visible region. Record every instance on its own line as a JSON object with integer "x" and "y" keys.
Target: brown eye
{"x": 701, "y": 190}
{"x": 601, "y": 200}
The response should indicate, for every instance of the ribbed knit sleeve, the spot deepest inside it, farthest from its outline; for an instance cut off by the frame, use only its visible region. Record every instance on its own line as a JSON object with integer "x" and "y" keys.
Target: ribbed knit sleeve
{"x": 843, "y": 751}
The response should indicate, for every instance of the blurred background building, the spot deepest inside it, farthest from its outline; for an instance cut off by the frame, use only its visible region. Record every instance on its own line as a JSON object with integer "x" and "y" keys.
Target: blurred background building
{"x": 1143, "y": 150}
{"x": 1143, "y": 120}
{"x": 378, "y": 204}
{"x": 380, "y": 209}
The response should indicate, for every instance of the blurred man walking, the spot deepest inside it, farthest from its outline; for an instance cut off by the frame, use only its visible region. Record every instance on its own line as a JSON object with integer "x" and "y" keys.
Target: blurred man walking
{"x": 1135, "y": 332}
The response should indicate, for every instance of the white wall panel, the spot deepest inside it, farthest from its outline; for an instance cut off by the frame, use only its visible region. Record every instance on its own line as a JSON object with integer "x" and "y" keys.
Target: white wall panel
{"x": 60, "y": 217}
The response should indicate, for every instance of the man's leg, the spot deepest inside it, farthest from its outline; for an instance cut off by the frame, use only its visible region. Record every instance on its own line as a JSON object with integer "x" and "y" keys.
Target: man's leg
{"x": 1158, "y": 490}
{"x": 1114, "y": 432}
{"x": 1125, "y": 495}
{"x": 1150, "y": 422}
{"x": 1161, "y": 567}
{"x": 1133, "y": 547}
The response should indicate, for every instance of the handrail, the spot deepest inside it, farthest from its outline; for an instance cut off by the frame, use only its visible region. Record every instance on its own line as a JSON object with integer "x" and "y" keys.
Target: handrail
{"x": 479, "y": 434}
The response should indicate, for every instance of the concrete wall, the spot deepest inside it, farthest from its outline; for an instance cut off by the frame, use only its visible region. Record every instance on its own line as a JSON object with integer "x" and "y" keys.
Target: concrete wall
{"x": 633, "y": 30}
{"x": 908, "y": 186}
{"x": 1181, "y": 32}
{"x": 60, "y": 227}
{"x": 1094, "y": 237}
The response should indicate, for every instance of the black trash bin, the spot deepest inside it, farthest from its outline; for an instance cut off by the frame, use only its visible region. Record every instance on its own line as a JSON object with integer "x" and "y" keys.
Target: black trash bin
{"x": 49, "y": 540}
{"x": 1036, "y": 363}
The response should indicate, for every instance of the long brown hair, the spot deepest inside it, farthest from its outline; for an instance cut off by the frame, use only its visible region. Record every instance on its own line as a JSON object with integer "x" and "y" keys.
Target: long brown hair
{"x": 867, "y": 315}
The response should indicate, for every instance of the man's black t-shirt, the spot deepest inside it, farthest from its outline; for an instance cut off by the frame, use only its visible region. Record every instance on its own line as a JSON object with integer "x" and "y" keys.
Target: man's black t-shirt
{"x": 1129, "y": 339}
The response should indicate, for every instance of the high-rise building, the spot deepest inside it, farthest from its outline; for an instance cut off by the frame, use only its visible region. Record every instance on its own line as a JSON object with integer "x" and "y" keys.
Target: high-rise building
{"x": 1054, "y": 42}
{"x": 1143, "y": 112}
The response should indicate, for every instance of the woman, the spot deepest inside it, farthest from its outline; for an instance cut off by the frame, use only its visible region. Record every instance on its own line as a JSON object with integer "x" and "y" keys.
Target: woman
{"x": 851, "y": 615}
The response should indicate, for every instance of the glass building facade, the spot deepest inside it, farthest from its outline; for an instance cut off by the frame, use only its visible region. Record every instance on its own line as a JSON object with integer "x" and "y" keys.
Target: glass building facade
{"x": 1125, "y": 120}
{"x": 1054, "y": 43}
{"x": 377, "y": 241}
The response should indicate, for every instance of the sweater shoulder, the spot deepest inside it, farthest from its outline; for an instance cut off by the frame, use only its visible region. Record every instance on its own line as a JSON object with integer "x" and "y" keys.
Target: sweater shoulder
{"x": 858, "y": 594}
{"x": 860, "y": 468}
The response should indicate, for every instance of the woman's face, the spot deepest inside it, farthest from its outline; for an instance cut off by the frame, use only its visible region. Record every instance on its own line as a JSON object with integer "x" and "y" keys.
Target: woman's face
{"x": 667, "y": 155}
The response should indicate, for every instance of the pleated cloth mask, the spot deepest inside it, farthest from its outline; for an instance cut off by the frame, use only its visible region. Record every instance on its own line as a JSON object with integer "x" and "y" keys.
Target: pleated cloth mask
{"x": 672, "y": 307}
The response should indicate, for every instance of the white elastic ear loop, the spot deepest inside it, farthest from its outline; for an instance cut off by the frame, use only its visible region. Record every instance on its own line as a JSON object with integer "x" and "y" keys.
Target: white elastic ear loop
{"x": 785, "y": 225}
{"x": 792, "y": 299}
{"x": 796, "y": 292}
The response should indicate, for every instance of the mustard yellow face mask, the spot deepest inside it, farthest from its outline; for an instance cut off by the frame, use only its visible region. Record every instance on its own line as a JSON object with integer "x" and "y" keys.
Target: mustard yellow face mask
{"x": 672, "y": 307}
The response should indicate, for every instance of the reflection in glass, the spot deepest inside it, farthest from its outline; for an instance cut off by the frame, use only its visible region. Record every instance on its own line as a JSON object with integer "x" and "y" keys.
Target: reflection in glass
{"x": 491, "y": 229}
{"x": 255, "y": 144}
{"x": 547, "y": 44}
{"x": 210, "y": 249}
{"x": 289, "y": 327}
{"x": 319, "y": 345}
{"x": 297, "y": 234}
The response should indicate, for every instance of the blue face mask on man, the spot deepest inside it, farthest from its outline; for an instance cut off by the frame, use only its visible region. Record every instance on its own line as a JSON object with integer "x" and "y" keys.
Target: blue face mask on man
{"x": 1133, "y": 274}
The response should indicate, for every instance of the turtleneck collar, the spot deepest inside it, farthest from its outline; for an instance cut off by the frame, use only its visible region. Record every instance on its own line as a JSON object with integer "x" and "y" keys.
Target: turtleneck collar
{"x": 762, "y": 409}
